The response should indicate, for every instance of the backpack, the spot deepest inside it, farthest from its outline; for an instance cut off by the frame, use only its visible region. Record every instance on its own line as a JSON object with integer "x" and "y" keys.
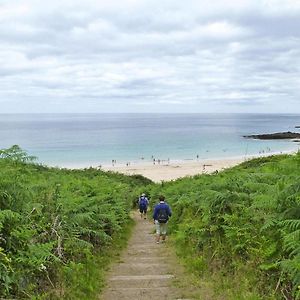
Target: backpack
{"x": 143, "y": 202}
{"x": 162, "y": 216}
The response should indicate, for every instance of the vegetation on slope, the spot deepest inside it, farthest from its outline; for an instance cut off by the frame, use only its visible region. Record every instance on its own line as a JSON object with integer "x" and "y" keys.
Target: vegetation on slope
{"x": 241, "y": 227}
{"x": 57, "y": 226}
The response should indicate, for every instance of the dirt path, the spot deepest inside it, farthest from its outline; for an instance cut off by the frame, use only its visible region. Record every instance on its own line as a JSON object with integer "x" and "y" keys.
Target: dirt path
{"x": 144, "y": 270}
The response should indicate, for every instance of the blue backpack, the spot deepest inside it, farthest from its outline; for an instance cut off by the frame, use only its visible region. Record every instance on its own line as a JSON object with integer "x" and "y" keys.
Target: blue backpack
{"x": 162, "y": 216}
{"x": 143, "y": 202}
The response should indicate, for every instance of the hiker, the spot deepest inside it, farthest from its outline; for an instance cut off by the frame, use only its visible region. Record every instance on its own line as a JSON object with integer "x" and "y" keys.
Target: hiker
{"x": 161, "y": 215}
{"x": 143, "y": 205}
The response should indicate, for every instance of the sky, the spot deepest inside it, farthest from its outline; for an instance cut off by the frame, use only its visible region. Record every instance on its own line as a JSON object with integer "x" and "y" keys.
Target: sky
{"x": 71, "y": 56}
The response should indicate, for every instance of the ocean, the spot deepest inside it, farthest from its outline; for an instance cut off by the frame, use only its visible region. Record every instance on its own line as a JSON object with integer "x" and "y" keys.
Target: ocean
{"x": 72, "y": 140}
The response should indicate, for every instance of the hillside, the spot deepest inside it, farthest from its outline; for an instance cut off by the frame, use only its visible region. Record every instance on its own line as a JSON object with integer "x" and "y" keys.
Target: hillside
{"x": 57, "y": 225}
{"x": 241, "y": 228}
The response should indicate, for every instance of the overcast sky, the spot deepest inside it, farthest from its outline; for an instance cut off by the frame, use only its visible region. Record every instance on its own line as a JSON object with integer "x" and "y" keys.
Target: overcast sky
{"x": 150, "y": 56}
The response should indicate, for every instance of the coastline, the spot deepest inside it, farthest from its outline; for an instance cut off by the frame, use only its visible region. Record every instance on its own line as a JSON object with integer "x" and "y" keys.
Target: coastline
{"x": 175, "y": 169}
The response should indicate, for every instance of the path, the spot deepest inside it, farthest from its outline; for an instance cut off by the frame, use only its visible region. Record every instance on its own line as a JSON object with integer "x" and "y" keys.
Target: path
{"x": 144, "y": 270}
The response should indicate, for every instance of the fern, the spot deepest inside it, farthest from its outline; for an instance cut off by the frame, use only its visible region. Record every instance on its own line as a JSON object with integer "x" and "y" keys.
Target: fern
{"x": 291, "y": 225}
{"x": 51, "y": 218}
{"x": 240, "y": 221}
{"x": 291, "y": 242}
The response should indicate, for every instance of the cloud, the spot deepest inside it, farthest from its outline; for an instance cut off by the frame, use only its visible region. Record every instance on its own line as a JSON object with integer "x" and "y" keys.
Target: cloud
{"x": 224, "y": 55}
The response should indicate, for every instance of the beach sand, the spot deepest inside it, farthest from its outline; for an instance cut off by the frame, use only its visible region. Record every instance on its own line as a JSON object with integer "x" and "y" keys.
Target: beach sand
{"x": 178, "y": 169}
{"x": 175, "y": 169}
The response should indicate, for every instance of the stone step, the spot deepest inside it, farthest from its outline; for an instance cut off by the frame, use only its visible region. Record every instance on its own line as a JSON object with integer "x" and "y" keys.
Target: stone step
{"x": 141, "y": 277}
{"x": 148, "y": 293}
{"x": 144, "y": 240}
{"x": 137, "y": 251}
{"x": 141, "y": 281}
{"x": 142, "y": 264}
{"x": 143, "y": 260}
{"x": 141, "y": 268}
{"x": 148, "y": 258}
{"x": 153, "y": 247}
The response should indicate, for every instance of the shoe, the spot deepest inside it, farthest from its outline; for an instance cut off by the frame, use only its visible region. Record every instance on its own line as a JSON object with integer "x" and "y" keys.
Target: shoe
{"x": 157, "y": 242}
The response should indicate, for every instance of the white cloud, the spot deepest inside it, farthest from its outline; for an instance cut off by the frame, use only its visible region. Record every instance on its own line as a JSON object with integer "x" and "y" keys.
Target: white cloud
{"x": 131, "y": 54}
{"x": 281, "y": 7}
{"x": 223, "y": 30}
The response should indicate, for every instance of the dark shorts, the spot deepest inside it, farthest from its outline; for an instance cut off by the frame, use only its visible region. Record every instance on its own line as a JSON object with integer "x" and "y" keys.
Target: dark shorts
{"x": 143, "y": 210}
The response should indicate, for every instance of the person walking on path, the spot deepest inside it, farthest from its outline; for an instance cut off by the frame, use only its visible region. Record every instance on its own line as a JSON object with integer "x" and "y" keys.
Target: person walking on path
{"x": 143, "y": 205}
{"x": 161, "y": 214}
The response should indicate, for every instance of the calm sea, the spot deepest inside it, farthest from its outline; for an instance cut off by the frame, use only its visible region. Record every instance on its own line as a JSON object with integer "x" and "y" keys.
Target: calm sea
{"x": 94, "y": 139}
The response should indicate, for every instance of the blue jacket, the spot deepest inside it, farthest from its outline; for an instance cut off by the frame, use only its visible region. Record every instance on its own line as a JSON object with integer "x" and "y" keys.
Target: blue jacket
{"x": 143, "y": 202}
{"x": 161, "y": 205}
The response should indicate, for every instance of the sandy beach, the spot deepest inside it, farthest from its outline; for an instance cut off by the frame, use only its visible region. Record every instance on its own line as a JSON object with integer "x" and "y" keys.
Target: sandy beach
{"x": 176, "y": 169}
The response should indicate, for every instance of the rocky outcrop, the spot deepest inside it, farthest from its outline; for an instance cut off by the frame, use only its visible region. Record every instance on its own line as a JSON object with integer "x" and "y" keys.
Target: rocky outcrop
{"x": 274, "y": 136}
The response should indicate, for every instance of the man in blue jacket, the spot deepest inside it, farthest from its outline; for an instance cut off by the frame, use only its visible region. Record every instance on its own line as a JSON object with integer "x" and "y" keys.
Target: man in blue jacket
{"x": 161, "y": 215}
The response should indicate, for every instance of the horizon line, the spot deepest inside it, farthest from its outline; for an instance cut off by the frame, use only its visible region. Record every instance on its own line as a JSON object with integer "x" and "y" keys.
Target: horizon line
{"x": 150, "y": 113}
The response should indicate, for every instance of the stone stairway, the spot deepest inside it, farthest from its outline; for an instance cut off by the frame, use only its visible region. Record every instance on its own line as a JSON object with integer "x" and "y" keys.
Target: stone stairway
{"x": 143, "y": 271}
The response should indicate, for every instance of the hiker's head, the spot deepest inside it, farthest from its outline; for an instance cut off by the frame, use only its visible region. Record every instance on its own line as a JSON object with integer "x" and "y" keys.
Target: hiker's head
{"x": 161, "y": 198}
{"x": 143, "y": 195}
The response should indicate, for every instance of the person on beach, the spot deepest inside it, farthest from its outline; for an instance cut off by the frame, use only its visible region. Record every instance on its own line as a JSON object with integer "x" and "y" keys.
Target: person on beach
{"x": 143, "y": 205}
{"x": 161, "y": 214}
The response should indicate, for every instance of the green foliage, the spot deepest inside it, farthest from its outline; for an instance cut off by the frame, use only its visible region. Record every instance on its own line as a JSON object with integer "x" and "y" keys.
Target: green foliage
{"x": 56, "y": 224}
{"x": 241, "y": 227}
{"x": 16, "y": 154}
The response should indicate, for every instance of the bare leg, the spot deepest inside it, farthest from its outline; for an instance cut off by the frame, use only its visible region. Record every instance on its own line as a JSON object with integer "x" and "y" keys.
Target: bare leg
{"x": 157, "y": 238}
